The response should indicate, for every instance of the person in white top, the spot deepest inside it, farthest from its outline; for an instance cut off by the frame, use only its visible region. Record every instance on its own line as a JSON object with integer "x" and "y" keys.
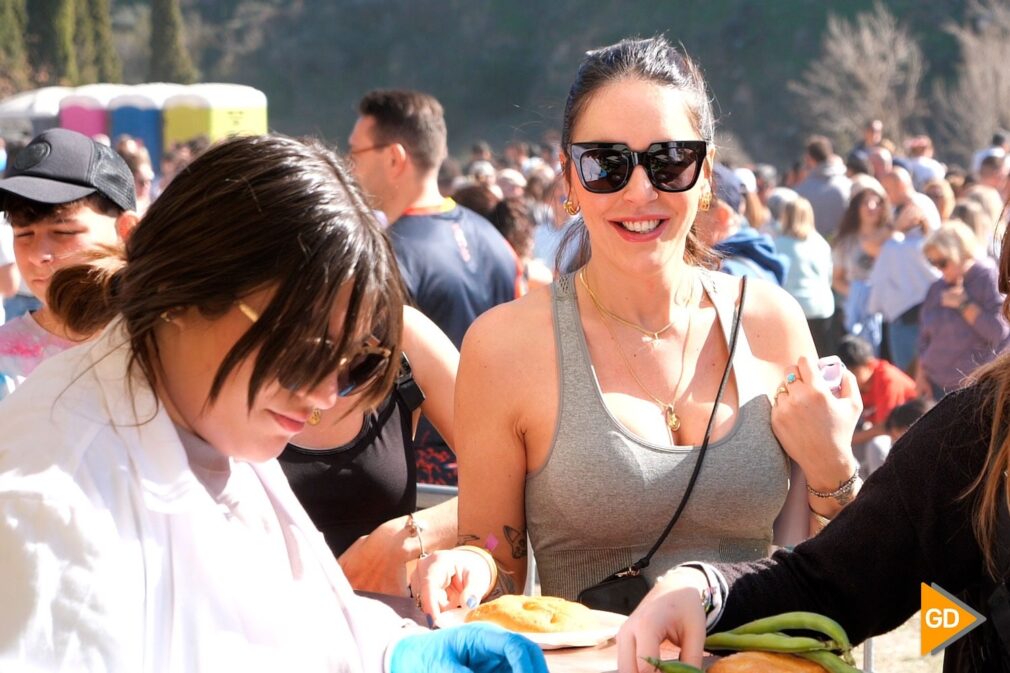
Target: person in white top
{"x": 902, "y": 275}
{"x": 144, "y": 521}
{"x": 997, "y": 148}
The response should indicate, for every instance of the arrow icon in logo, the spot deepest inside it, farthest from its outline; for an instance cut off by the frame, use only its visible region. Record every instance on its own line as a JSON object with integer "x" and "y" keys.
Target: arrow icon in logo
{"x": 943, "y": 619}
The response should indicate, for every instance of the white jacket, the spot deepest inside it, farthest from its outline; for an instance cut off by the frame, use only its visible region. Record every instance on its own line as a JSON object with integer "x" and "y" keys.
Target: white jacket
{"x": 113, "y": 556}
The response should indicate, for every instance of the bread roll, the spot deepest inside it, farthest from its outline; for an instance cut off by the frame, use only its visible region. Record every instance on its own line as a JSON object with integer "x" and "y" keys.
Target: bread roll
{"x": 764, "y": 662}
{"x": 535, "y": 614}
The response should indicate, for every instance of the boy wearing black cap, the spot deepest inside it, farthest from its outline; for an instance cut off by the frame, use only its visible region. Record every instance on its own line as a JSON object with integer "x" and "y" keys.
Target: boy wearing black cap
{"x": 65, "y": 195}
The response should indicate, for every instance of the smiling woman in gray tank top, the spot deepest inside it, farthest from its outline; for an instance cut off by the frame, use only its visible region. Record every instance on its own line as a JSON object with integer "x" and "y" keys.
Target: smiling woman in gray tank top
{"x": 580, "y": 407}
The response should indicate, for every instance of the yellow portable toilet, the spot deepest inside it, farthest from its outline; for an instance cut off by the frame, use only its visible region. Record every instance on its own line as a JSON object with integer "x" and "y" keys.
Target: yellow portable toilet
{"x": 213, "y": 111}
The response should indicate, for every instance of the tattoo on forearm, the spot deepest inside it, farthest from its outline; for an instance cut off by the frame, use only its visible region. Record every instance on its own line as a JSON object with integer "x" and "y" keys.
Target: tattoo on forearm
{"x": 516, "y": 540}
{"x": 503, "y": 586}
{"x": 464, "y": 538}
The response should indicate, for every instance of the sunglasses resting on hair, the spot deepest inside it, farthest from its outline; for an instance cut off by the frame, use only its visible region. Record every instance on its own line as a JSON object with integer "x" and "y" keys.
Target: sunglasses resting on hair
{"x": 672, "y": 166}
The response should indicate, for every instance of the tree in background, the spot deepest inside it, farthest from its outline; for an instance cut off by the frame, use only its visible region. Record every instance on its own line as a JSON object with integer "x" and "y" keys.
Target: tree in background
{"x": 45, "y": 42}
{"x": 107, "y": 62}
{"x": 977, "y": 103}
{"x": 170, "y": 61}
{"x": 869, "y": 68}
{"x": 50, "y": 30}
{"x": 84, "y": 43}
{"x": 15, "y": 74}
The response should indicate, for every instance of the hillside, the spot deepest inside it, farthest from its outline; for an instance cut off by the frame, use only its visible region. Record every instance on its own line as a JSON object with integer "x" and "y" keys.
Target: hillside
{"x": 502, "y": 67}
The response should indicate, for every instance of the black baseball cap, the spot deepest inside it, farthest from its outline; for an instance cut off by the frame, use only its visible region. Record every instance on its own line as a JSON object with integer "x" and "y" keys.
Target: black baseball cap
{"x": 60, "y": 166}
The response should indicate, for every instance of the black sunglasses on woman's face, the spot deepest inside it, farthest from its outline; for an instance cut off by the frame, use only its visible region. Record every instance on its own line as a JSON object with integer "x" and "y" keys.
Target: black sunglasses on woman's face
{"x": 672, "y": 166}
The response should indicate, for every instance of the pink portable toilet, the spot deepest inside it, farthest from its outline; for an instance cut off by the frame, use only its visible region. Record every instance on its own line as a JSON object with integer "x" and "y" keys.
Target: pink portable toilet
{"x": 86, "y": 109}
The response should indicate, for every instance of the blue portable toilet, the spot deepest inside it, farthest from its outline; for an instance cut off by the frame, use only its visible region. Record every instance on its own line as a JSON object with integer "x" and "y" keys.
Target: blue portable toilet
{"x": 138, "y": 112}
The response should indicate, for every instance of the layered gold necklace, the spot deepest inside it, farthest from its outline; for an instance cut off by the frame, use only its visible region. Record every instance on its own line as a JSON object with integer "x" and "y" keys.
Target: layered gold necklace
{"x": 653, "y": 336}
{"x": 668, "y": 408}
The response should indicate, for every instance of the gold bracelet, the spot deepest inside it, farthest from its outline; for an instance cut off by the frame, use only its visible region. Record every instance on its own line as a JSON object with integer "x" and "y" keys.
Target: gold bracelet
{"x": 414, "y": 529}
{"x": 491, "y": 564}
{"x": 819, "y": 518}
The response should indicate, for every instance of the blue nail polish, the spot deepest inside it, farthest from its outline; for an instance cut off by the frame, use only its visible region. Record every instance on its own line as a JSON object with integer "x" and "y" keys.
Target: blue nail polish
{"x": 431, "y": 624}
{"x": 471, "y": 602}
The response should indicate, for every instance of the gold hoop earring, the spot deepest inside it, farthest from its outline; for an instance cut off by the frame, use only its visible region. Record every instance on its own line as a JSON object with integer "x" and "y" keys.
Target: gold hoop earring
{"x": 571, "y": 208}
{"x": 706, "y": 201}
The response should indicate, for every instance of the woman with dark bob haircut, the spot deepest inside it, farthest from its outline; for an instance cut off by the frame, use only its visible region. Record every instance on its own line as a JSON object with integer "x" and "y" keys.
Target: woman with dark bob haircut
{"x": 145, "y": 523}
{"x": 583, "y": 410}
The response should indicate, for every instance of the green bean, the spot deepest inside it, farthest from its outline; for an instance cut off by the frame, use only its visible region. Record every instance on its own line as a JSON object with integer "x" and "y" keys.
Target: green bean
{"x": 766, "y": 642}
{"x": 808, "y": 621}
{"x": 832, "y": 662}
{"x": 672, "y": 666}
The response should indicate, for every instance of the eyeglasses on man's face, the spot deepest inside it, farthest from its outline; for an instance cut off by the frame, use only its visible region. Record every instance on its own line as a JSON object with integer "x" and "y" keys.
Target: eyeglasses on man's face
{"x": 361, "y": 150}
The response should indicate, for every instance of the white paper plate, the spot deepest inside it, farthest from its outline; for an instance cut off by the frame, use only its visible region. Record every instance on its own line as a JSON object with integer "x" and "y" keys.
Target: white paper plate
{"x": 610, "y": 623}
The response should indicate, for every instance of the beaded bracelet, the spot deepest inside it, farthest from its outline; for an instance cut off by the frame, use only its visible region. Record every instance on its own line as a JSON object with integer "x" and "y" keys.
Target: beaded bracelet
{"x": 843, "y": 494}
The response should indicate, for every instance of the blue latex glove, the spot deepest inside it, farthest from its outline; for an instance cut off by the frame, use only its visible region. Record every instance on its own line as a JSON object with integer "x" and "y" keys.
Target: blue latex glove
{"x": 480, "y": 648}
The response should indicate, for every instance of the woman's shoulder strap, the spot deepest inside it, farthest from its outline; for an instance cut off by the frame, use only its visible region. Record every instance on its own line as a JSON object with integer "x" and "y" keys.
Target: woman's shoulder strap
{"x": 406, "y": 385}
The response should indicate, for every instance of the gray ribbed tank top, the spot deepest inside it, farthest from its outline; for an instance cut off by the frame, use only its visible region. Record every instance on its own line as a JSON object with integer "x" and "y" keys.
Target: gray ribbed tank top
{"x": 604, "y": 495}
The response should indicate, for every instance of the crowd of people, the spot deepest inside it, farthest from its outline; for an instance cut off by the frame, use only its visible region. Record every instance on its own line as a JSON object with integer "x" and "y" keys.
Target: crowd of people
{"x": 585, "y": 336}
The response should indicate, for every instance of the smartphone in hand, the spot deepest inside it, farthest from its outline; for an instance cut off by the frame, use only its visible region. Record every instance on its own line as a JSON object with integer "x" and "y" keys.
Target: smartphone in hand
{"x": 831, "y": 369}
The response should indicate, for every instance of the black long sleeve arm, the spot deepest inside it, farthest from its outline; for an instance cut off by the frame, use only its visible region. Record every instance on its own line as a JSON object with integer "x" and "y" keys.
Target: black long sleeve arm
{"x": 909, "y": 524}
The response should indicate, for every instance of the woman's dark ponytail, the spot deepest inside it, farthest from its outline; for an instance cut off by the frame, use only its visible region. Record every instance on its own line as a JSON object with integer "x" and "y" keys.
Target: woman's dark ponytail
{"x": 85, "y": 296}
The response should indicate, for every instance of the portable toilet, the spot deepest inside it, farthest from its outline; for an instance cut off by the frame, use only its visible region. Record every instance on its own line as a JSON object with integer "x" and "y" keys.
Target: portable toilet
{"x": 138, "y": 112}
{"x": 86, "y": 109}
{"x": 214, "y": 111}
{"x": 32, "y": 112}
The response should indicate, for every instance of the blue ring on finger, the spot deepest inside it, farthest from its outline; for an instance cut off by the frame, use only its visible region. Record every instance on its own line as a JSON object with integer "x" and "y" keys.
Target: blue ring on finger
{"x": 790, "y": 378}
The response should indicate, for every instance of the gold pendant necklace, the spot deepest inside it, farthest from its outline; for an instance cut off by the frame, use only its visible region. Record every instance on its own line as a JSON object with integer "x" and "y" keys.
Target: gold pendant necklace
{"x": 668, "y": 408}
{"x": 672, "y": 420}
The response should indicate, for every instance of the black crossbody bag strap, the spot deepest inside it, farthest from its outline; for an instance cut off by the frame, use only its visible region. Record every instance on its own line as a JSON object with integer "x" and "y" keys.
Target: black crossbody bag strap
{"x": 643, "y": 562}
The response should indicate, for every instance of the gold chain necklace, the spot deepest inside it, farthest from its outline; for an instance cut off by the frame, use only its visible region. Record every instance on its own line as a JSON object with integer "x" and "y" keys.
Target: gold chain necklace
{"x": 668, "y": 408}
{"x": 653, "y": 336}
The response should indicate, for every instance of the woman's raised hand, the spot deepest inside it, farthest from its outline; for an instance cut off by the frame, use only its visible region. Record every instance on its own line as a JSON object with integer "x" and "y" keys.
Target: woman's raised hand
{"x": 448, "y": 579}
{"x": 814, "y": 426}
{"x": 672, "y": 611}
